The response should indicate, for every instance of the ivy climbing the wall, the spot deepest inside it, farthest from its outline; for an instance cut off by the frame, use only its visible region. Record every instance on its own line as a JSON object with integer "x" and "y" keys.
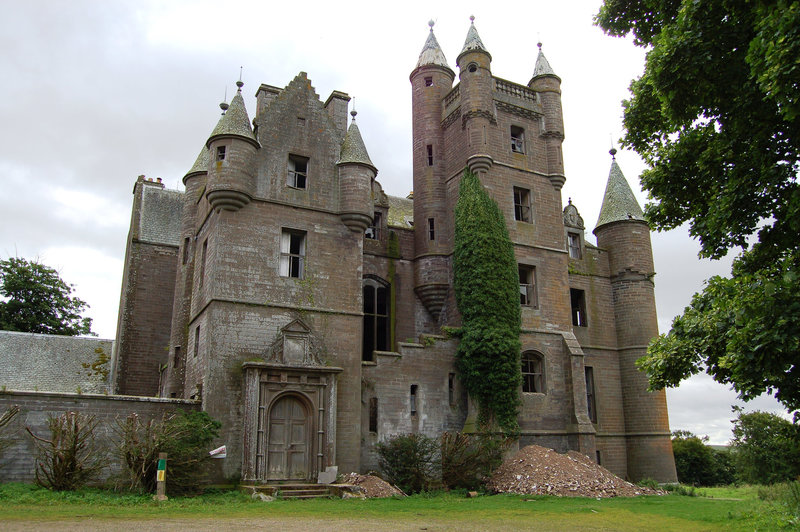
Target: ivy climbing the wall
{"x": 486, "y": 283}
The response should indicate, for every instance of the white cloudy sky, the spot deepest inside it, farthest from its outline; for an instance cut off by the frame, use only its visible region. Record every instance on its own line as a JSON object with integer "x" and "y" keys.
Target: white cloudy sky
{"x": 94, "y": 93}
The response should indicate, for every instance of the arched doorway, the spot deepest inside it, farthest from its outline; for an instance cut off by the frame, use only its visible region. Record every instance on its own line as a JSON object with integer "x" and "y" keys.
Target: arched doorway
{"x": 288, "y": 439}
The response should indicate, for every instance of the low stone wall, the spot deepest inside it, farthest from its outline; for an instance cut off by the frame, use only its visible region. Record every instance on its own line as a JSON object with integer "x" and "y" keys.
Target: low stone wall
{"x": 17, "y": 462}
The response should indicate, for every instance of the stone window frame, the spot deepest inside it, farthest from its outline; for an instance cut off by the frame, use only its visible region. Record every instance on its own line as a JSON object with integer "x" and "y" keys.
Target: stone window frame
{"x": 292, "y": 253}
{"x": 297, "y": 178}
{"x": 591, "y": 394}
{"x": 533, "y": 372}
{"x": 374, "y": 316}
{"x": 522, "y": 205}
{"x": 517, "y": 139}
{"x": 528, "y": 293}
{"x": 574, "y": 245}
{"x": 577, "y": 300}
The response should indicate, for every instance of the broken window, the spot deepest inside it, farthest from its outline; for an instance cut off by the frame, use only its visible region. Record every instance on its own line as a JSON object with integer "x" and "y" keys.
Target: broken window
{"x": 527, "y": 286}
{"x": 376, "y": 318}
{"x": 293, "y": 253}
{"x": 590, "y": 396}
{"x": 532, "y": 372}
{"x": 298, "y": 171}
{"x": 517, "y": 139}
{"x": 429, "y": 82}
{"x": 578, "y": 303}
{"x": 220, "y": 153}
{"x": 373, "y": 232}
{"x": 522, "y": 204}
{"x": 574, "y": 243}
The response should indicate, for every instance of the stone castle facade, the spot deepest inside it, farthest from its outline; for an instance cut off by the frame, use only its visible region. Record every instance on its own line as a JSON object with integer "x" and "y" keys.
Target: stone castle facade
{"x": 304, "y": 306}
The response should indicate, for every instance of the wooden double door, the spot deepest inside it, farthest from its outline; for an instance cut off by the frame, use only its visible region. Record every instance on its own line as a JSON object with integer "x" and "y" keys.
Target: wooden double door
{"x": 288, "y": 439}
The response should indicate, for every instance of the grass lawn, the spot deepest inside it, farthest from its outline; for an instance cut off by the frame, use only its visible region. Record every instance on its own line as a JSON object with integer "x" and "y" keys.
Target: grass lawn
{"x": 727, "y": 509}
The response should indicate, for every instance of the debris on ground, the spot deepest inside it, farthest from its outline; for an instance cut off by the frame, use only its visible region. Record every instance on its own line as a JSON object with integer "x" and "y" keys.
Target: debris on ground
{"x": 372, "y": 486}
{"x": 535, "y": 470}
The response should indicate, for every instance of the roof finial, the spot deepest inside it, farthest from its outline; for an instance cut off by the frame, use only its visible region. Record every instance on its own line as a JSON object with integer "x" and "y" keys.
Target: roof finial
{"x": 224, "y": 104}
{"x": 431, "y": 23}
{"x": 353, "y": 113}
{"x": 472, "y": 19}
{"x": 569, "y": 201}
{"x": 539, "y": 44}
{"x": 613, "y": 150}
{"x": 240, "y": 83}
{"x": 240, "y": 72}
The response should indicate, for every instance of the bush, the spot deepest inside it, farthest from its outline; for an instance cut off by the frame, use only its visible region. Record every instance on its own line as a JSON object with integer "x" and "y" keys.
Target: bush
{"x": 699, "y": 464}
{"x": 410, "y": 462}
{"x": 766, "y": 448}
{"x": 467, "y": 460}
{"x": 185, "y": 437}
{"x": 70, "y": 458}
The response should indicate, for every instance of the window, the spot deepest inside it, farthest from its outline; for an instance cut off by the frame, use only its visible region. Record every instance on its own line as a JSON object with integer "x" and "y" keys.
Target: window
{"x": 176, "y": 361}
{"x": 574, "y": 243}
{"x": 186, "y": 242}
{"x": 532, "y": 372}
{"x": 203, "y": 262}
{"x": 590, "y": 402}
{"x": 412, "y": 399}
{"x": 220, "y": 153}
{"x": 597, "y": 453}
{"x": 522, "y": 204}
{"x": 376, "y": 318}
{"x": 578, "y": 302}
{"x": 373, "y": 414}
{"x": 472, "y": 67}
{"x": 430, "y": 155}
{"x": 298, "y": 171}
{"x": 517, "y": 139}
{"x": 374, "y": 231}
{"x": 293, "y": 253}
{"x": 527, "y": 286}
{"x": 431, "y": 229}
{"x": 428, "y": 82}
{"x": 196, "y": 340}
{"x": 451, "y": 388}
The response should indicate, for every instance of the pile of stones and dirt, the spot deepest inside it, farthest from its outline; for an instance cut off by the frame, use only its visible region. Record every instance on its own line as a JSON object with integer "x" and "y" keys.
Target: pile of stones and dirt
{"x": 371, "y": 486}
{"x": 536, "y": 470}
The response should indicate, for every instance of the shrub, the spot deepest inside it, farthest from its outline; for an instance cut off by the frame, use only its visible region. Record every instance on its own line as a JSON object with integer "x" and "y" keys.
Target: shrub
{"x": 70, "y": 458}
{"x": 409, "y": 461}
{"x": 185, "y": 437}
{"x": 699, "y": 464}
{"x": 467, "y": 460}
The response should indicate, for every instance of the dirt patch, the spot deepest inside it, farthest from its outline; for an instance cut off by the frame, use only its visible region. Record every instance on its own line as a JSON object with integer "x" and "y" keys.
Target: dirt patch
{"x": 371, "y": 485}
{"x": 536, "y": 470}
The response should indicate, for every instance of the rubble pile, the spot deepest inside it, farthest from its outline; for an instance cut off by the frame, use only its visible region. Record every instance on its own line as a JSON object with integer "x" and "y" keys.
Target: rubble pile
{"x": 539, "y": 471}
{"x": 372, "y": 486}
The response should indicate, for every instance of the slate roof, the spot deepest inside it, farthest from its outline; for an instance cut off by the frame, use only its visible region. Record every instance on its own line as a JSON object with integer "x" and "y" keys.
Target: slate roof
{"x": 401, "y": 212}
{"x": 160, "y": 218}
{"x": 353, "y": 148}
{"x": 201, "y": 163}
{"x": 542, "y": 67}
{"x": 619, "y": 203}
{"x": 234, "y": 122}
{"x": 473, "y": 40}
{"x": 431, "y": 53}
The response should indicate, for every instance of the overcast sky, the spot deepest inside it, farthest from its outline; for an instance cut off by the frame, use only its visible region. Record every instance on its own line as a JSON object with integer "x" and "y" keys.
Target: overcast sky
{"x": 94, "y": 93}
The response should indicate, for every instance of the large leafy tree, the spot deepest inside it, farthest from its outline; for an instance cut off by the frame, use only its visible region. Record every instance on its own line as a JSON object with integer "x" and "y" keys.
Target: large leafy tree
{"x": 766, "y": 448}
{"x": 34, "y": 299}
{"x": 716, "y": 116}
{"x": 486, "y": 283}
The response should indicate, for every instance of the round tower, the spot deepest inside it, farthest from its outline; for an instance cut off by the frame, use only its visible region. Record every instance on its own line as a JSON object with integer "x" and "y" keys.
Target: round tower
{"x": 431, "y": 81}
{"x": 624, "y": 234}
{"x": 356, "y": 174}
{"x": 548, "y": 86}
{"x": 232, "y": 147}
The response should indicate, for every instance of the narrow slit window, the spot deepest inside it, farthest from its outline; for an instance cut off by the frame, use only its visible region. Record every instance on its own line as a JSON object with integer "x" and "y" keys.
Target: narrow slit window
{"x": 412, "y": 400}
{"x": 430, "y": 154}
{"x": 298, "y": 171}
{"x": 203, "y": 255}
{"x": 196, "y": 341}
{"x": 293, "y": 253}
{"x": 176, "y": 361}
{"x": 186, "y": 242}
{"x": 591, "y": 405}
{"x": 451, "y": 388}
{"x": 431, "y": 229}
{"x": 373, "y": 414}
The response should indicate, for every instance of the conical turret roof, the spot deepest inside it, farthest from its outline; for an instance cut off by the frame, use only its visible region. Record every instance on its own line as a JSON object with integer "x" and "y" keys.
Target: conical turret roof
{"x": 201, "y": 163}
{"x": 353, "y": 149}
{"x": 619, "y": 203}
{"x": 542, "y": 67}
{"x": 431, "y": 53}
{"x": 235, "y": 122}
{"x": 473, "y": 40}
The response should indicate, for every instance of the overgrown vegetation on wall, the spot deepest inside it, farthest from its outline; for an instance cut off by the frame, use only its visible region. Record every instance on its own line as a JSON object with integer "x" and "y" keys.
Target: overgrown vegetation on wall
{"x": 486, "y": 283}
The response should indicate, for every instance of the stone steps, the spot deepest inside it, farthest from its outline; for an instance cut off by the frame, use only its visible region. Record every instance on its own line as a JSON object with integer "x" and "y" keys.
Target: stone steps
{"x": 290, "y": 491}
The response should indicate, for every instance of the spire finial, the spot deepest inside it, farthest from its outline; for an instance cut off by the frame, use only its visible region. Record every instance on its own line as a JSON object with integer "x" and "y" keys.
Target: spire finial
{"x": 472, "y": 19}
{"x": 224, "y": 104}
{"x": 240, "y": 83}
{"x": 569, "y": 201}
{"x": 240, "y": 73}
{"x": 613, "y": 150}
{"x": 539, "y": 44}
{"x": 431, "y": 23}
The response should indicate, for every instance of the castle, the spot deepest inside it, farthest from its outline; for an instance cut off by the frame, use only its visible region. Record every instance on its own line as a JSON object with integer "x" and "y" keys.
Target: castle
{"x": 304, "y": 306}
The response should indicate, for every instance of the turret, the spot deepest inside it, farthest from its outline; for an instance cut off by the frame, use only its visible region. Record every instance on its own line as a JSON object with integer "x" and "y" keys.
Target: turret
{"x": 548, "y": 85}
{"x": 624, "y": 234}
{"x": 431, "y": 81}
{"x": 356, "y": 173}
{"x": 477, "y": 106}
{"x": 232, "y": 146}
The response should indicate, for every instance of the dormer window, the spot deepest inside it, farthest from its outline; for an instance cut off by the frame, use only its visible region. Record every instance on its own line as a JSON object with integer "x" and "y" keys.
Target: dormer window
{"x": 298, "y": 171}
{"x": 517, "y": 139}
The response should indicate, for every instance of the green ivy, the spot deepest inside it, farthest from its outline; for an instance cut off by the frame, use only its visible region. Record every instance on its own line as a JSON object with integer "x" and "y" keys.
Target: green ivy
{"x": 486, "y": 283}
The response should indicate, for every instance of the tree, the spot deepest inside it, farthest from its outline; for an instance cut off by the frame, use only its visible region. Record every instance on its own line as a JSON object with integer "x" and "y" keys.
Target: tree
{"x": 38, "y": 301}
{"x": 486, "y": 283}
{"x": 766, "y": 448}
{"x": 715, "y": 117}
{"x": 699, "y": 464}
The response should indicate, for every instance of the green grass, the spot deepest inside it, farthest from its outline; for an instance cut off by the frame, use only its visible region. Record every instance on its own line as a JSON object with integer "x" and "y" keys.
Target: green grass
{"x": 727, "y": 509}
